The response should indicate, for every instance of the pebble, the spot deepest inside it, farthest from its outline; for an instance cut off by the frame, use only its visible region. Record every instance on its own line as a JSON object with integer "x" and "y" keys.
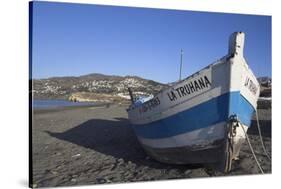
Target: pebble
{"x": 57, "y": 153}
{"x": 76, "y": 155}
{"x": 34, "y": 185}
{"x": 187, "y": 172}
{"x": 100, "y": 180}
{"x": 120, "y": 161}
{"x": 198, "y": 173}
{"x": 173, "y": 172}
{"x": 54, "y": 172}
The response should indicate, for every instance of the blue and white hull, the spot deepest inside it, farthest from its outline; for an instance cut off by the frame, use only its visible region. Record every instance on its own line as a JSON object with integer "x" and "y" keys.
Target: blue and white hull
{"x": 188, "y": 122}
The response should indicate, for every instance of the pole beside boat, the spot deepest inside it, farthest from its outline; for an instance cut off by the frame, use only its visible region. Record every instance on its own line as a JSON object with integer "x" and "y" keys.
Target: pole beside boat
{"x": 181, "y": 64}
{"x": 131, "y": 95}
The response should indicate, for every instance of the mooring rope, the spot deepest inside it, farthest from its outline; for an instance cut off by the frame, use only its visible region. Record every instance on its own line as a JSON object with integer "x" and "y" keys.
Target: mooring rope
{"x": 249, "y": 143}
{"x": 263, "y": 146}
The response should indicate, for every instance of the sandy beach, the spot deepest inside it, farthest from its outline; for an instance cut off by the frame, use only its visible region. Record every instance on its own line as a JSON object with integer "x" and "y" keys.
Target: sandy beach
{"x": 95, "y": 145}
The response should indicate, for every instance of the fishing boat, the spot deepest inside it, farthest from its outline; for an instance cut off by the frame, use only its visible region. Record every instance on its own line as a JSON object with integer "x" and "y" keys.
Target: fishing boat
{"x": 202, "y": 118}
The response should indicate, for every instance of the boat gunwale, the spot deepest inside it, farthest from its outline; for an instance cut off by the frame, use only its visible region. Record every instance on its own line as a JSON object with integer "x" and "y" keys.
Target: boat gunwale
{"x": 222, "y": 60}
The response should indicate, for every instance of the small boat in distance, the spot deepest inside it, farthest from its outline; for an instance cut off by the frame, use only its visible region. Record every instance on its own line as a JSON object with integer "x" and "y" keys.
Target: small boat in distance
{"x": 202, "y": 118}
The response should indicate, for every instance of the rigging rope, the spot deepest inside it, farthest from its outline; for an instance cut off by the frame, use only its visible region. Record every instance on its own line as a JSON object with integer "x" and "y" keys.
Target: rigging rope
{"x": 248, "y": 140}
{"x": 263, "y": 146}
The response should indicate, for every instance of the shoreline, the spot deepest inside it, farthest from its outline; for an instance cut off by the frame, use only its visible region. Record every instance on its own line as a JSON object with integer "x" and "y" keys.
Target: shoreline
{"x": 76, "y": 105}
{"x": 63, "y": 108}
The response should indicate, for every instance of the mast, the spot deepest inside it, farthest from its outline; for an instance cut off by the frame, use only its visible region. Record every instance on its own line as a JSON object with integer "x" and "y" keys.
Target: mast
{"x": 181, "y": 63}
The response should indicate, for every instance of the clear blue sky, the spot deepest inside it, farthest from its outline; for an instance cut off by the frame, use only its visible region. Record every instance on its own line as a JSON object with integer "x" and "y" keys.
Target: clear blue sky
{"x": 77, "y": 39}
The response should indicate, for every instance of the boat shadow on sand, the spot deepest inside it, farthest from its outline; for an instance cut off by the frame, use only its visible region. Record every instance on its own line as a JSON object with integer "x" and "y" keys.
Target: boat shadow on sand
{"x": 265, "y": 126}
{"x": 115, "y": 138}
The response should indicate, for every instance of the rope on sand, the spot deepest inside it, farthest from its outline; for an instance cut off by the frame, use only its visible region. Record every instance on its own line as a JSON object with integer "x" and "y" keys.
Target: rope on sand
{"x": 263, "y": 146}
{"x": 248, "y": 140}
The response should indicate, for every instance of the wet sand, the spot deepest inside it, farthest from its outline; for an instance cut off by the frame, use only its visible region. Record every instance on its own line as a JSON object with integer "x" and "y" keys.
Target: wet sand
{"x": 94, "y": 145}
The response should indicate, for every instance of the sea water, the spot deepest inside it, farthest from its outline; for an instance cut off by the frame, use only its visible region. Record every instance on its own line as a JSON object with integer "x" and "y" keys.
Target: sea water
{"x": 40, "y": 104}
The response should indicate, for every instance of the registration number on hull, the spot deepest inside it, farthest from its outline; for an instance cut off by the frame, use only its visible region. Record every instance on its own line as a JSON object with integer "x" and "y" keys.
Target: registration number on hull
{"x": 249, "y": 84}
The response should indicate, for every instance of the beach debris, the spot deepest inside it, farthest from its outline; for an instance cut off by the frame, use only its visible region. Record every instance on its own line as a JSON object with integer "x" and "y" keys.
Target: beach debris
{"x": 73, "y": 180}
{"x": 76, "y": 155}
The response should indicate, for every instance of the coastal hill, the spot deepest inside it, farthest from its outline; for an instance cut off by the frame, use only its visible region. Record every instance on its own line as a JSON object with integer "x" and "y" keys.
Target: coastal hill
{"x": 94, "y": 87}
{"x": 106, "y": 88}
